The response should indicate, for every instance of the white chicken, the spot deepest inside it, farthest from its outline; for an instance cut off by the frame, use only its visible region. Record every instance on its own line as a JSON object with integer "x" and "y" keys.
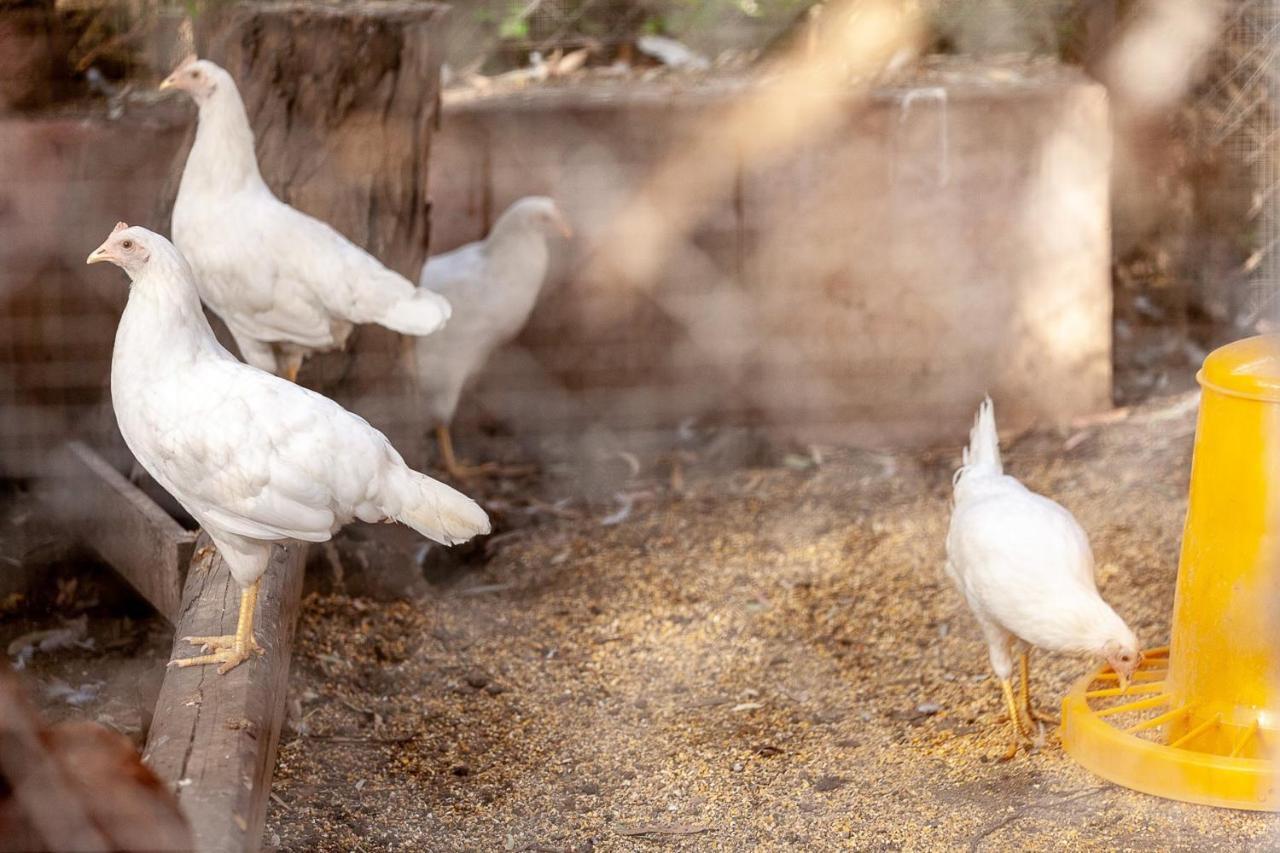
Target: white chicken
{"x": 254, "y": 458}
{"x": 492, "y": 285}
{"x": 1023, "y": 564}
{"x": 284, "y": 283}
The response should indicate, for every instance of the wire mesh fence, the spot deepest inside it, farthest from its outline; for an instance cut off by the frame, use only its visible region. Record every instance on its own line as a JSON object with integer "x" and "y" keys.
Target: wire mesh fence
{"x": 778, "y": 265}
{"x": 1241, "y": 106}
{"x": 109, "y": 49}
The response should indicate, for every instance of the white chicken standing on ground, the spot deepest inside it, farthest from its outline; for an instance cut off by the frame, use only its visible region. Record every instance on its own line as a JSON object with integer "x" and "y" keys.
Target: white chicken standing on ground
{"x": 492, "y": 285}
{"x": 284, "y": 283}
{"x": 1024, "y": 566}
{"x": 254, "y": 458}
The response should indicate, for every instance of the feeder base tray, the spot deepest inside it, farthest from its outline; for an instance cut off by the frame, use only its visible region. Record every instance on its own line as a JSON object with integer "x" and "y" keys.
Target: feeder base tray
{"x": 1206, "y": 761}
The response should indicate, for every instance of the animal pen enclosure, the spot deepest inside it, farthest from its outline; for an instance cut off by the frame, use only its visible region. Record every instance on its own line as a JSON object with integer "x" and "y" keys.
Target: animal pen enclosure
{"x": 806, "y": 241}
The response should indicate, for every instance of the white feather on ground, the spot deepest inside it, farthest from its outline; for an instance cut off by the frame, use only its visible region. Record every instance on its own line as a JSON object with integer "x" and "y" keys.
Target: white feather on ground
{"x": 492, "y": 285}
{"x": 284, "y": 283}
{"x": 254, "y": 458}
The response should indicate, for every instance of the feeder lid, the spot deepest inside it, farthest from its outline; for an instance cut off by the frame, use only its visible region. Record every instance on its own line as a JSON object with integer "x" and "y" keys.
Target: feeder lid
{"x": 1247, "y": 368}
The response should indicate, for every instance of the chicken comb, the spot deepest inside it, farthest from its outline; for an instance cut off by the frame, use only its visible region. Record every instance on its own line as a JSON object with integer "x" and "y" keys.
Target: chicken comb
{"x": 120, "y": 226}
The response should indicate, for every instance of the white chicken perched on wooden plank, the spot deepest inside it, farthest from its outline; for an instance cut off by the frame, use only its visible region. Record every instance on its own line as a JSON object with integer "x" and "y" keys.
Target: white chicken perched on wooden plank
{"x": 254, "y": 458}
{"x": 284, "y": 283}
{"x": 492, "y": 285}
{"x": 1024, "y": 566}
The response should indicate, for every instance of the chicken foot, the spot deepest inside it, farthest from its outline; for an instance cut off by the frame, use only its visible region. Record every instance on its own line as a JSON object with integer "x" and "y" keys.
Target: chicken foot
{"x": 461, "y": 471}
{"x": 228, "y": 650}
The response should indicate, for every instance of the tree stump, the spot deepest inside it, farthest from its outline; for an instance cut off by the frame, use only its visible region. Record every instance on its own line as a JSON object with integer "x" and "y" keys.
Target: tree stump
{"x": 343, "y": 101}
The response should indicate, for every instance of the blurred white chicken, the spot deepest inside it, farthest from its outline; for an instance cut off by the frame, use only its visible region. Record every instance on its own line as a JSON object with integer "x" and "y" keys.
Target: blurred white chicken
{"x": 284, "y": 283}
{"x": 492, "y": 285}
{"x": 255, "y": 459}
{"x": 1024, "y": 566}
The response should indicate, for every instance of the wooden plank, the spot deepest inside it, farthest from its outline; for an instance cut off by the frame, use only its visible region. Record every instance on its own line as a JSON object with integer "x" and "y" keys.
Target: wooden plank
{"x": 214, "y": 736}
{"x": 117, "y": 520}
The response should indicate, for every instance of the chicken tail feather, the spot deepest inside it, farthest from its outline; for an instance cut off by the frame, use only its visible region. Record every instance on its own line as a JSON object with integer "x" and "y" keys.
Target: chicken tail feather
{"x": 983, "y": 453}
{"x": 421, "y": 313}
{"x": 439, "y": 512}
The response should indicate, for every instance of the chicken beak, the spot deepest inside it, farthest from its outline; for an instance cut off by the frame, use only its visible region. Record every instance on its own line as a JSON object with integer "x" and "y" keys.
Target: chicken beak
{"x": 565, "y": 229}
{"x": 169, "y": 82}
{"x": 1124, "y": 682}
{"x": 98, "y": 255}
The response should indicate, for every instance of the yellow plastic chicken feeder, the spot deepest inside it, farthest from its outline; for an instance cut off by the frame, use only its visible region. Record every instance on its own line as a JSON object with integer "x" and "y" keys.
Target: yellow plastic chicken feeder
{"x": 1201, "y": 720}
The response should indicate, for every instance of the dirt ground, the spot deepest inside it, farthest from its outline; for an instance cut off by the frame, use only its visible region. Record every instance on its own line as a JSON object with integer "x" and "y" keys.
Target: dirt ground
{"x": 770, "y": 660}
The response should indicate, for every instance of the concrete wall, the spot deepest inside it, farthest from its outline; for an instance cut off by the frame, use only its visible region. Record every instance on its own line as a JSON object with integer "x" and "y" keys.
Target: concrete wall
{"x": 948, "y": 238}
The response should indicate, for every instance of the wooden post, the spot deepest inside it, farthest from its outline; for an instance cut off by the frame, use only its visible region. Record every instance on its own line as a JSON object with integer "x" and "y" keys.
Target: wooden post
{"x": 214, "y": 737}
{"x": 117, "y": 520}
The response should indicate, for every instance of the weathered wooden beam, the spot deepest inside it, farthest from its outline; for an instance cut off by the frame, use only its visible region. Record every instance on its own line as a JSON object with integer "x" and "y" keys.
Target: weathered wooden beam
{"x": 121, "y": 523}
{"x": 214, "y": 736}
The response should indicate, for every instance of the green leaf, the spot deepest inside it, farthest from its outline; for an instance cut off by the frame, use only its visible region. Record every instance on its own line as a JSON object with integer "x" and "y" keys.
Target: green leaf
{"x": 514, "y": 28}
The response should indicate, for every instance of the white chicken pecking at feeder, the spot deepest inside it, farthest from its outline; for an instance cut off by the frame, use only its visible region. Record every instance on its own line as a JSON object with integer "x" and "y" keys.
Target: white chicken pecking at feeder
{"x": 284, "y": 283}
{"x": 492, "y": 285}
{"x": 1025, "y": 568}
{"x": 254, "y": 458}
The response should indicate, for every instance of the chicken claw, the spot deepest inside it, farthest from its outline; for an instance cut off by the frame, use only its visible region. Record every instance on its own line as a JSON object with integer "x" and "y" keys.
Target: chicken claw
{"x": 461, "y": 471}
{"x": 228, "y": 658}
{"x": 229, "y": 650}
{"x": 225, "y": 641}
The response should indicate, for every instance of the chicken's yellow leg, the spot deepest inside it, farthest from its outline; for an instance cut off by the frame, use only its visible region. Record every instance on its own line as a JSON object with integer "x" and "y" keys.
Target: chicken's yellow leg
{"x": 451, "y": 464}
{"x": 291, "y": 370}
{"x": 1032, "y": 713}
{"x": 1015, "y": 720}
{"x": 229, "y": 650}
{"x": 460, "y": 471}
{"x": 445, "y": 441}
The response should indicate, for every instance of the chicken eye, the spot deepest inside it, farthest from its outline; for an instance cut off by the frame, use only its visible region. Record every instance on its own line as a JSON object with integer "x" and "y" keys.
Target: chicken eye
{"x": 195, "y": 73}
{"x": 127, "y": 245}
